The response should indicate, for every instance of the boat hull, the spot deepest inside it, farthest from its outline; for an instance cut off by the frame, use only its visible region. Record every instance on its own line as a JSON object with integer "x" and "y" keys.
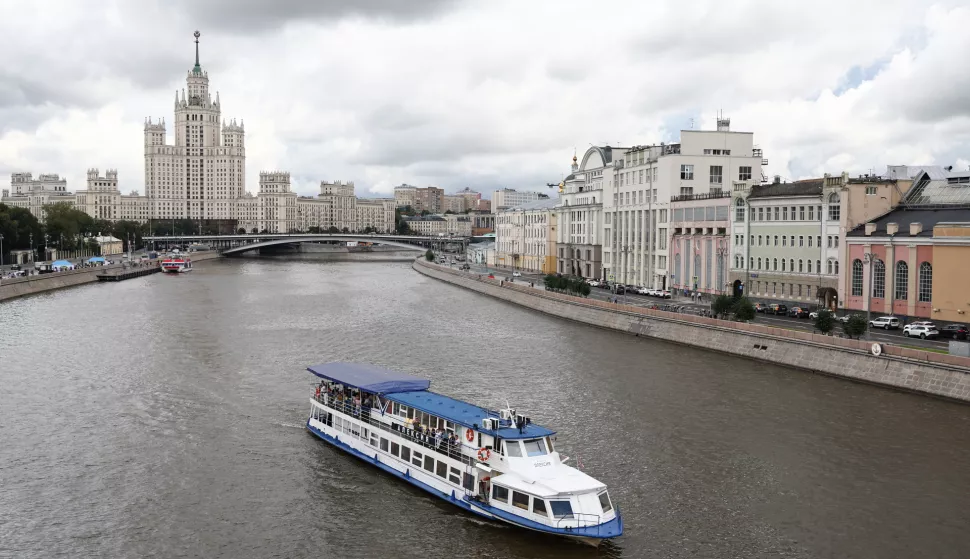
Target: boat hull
{"x": 462, "y": 502}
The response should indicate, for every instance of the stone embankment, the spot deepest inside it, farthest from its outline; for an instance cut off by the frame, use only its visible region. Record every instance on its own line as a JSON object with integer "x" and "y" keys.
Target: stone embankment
{"x": 926, "y": 372}
{"x": 31, "y": 285}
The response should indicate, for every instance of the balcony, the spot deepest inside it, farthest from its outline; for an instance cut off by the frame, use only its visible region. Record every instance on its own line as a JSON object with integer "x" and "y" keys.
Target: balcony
{"x": 707, "y": 196}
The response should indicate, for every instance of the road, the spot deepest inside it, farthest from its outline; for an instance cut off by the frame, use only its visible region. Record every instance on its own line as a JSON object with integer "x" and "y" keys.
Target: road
{"x": 684, "y": 304}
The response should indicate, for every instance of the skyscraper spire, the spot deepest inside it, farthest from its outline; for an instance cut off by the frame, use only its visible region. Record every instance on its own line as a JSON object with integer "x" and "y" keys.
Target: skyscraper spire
{"x": 197, "y": 69}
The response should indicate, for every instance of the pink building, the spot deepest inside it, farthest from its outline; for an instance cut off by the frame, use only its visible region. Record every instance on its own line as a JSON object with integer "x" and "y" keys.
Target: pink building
{"x": 699, "y": 247}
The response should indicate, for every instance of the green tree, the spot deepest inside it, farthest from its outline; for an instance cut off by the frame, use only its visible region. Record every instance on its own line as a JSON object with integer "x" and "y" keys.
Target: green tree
{"x": 586, "y": 289}
{"x": 824, "y": 321}
{"x": 856, "y": 326}
{"x": 743, "y": 310}
{"x": 429, "y": 256}
{"x": 722, "y": 305}
{"x": 18, "y": 225}
{"x": 449, "y": 212}
{"x": 64, "y": 225}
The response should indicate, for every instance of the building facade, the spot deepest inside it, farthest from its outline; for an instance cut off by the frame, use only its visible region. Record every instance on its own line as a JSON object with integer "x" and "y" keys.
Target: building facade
{"x": 699, "y": 244}
{"x": 579, "y": 215}
{"x": 450, "y": 224}
{"x": 338, "y": 207}
{"x": 639, "y": 189}
{"x": 525, "y": 236}
{"x": 33, "y": 194}
{"x": 510, "y": 198}
{"x": 914, "y": 260}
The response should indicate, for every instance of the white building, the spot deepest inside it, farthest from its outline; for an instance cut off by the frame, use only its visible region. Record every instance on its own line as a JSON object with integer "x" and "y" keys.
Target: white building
{"x": 579, "y": 215}
{"x": 455, "y": 225}
{"x": 509, "y": 198}
{"x": 33, "y": 194}
{"x": 525, "y": 236}
{"x": 639, "y": 187}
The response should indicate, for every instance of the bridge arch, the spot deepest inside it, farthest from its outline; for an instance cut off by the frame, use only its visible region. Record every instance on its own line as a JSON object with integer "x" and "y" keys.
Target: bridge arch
{"x": 314, "y": 239}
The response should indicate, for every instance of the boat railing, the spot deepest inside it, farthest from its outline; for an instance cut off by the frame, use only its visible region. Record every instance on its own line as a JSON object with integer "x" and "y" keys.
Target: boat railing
{"x": 582, "y": 520}
{"x": 364, "y": 415}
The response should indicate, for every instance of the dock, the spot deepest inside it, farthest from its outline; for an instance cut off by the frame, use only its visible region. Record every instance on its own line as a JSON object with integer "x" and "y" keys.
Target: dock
{"x": 121, "y": 275}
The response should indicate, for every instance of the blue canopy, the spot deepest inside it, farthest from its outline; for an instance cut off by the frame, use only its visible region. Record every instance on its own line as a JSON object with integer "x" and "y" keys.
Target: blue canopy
{"x": 96, "y": 259}
{"x": 369, "y": 378}
{"x": 61, "y": 264}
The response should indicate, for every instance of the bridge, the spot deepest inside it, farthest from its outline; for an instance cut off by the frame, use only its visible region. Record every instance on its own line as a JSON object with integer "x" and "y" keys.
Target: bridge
{"x": 238, "y": 244}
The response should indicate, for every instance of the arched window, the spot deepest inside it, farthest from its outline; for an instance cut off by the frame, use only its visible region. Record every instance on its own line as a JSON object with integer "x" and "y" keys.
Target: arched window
{"x": 925, "y": 282}
{"x": 752, "y": 262}
{"x": 810, "y": 266}
{"x": 782, "y": 264}
{"x": 739, "y": 210}
{"x": 836, "y": 267}
{"x": 791, "y": 265}
{"x": 829, "y": 267}
{"x": 759, "y": 263}
{"x": 774, "y": 265}
{"x": 759, "y": 240}
{"x": 857, "y": 278}
{"x": 800, "y": 267}
{"x": 902, "y": 281}
{"x": 834, "y": 207}
{"x": 879, "y": 279}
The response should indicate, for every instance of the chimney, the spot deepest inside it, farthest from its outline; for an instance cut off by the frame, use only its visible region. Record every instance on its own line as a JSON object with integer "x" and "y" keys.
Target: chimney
{"x": 870, "y": 229}
{"x": 915, "y": 228}
{"x": 892, "y": 228}
{"x": 777, "y": 179}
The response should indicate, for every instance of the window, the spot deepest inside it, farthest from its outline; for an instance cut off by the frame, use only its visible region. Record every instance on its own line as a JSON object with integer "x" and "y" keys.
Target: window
{"x": 784, "y": 241}
{"x": 520, "y": 500}
{"x": 925, "y": 282}
{"x": 776, "y": 240}
{"x": 801, "y": 240}
{"x": 395, "y": 449}
{"x": 759, "y": 263}
{"x": 834, "y": 207}
{"x": 809, "y": 240}
{"x": 819, "y": 262}
{"x": 818, "y": 241}
{"x": 828, "y": 240}
{"x": 605, "y": 502}
{"x": 539, "y": 507}
{"x": 871, "y": 190}
{"x": 902, "y": 280}
{"x": 744, "y": 173}
{"x": 686, "y": 172}
{"x": 761, "y": 216}
{"x": 759, "y": 240}
{"x": 513, "y": 449}
{"x": 752, "y": 240}
{"x": 383, "y": 444}
{"x": 784, "y": 213}
{"x": 774, "y": 264}
{"x": 717, "y": 174}
{"x": 777, "y": 213}
{"x": 857, "y": 278}
{"x": 500, "y": 493}
{"x": 801, "y": 213}
{"x": 799, "y": 286}
{"x": 879, "y": 279}
{"x": 429, "y": 463}
{"x": 739, "y": 210}
{"x": 561, "y": 509}
{"x": 442, "y": 470}
{"x": 800, "y": 267}
{"x": 811, "y": 213}
{"x": 405, "y": 454}
{"x": 534, "y": 447}
{"x": 829, "y": 267}
{"x": 809, "y": 262}
{"x": 468, "y": 482}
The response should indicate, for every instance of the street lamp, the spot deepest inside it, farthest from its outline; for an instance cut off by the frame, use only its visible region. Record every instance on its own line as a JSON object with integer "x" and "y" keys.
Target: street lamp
{"x": 722, "y": 252}
{"x": 867, "y": 258}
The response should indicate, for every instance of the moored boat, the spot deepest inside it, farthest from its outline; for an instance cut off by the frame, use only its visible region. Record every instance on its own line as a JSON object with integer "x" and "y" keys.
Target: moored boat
{"x": 176, "y": 264}
{"x": 498, "y": 465}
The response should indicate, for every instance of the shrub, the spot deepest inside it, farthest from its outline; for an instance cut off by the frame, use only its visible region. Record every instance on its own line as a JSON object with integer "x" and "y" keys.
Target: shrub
{"x": 722, "y": 305}
{"x": 824, "y": 322}
{"x": 429, "y": 256}
{"x": 743, "y": 310}
{"x": 856, "y": 326}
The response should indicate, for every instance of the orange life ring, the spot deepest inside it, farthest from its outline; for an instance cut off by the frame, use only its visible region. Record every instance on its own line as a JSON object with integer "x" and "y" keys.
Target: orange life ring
{"x": 484, "y": 454}
{"x": 469, "y": 435}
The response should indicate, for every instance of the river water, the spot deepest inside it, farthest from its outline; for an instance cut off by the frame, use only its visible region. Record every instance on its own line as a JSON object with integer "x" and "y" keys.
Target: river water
{"x": 163, "y": 417}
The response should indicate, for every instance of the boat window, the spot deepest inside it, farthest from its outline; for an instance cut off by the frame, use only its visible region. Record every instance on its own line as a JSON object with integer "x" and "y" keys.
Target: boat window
{"x": 500, "y": 493}
{"x": 539, "y": 506}
{"x": 373, "y": 440}
{"x": 513, "y": 449}
{"x": 416, "y": 459}
{"x": 605, "y": 502}
{"x": 405, "y": 453}
{"x": 561, "y": 509}
{"x": 429, "y": 464}
{"x": 520, "y": 500}
{"x": 383, "y": 444}
{"x": 395, "y": 449}
{"x": 442, "y": 470}
{"x": 454, "y": 475}
{"x": 468, "y": 482}
{"x": 402, "y": 410}
{"x": 534, "y": 447}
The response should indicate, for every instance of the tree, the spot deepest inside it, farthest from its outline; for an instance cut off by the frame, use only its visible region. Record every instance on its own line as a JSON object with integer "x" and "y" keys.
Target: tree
{"x": 65, "y": 225}
{"x": 722, "y": 305}
{"x": 429, "y": 256}
{"x": 585, "y": 289}
{"x": 856, "y": 326}
{"x": 17, "y": 225}
{"x": 449, "y": 212}
{"x": 743, "y": 310}
{"x": 824, "y": 321}
{"x": 241, "y": 231}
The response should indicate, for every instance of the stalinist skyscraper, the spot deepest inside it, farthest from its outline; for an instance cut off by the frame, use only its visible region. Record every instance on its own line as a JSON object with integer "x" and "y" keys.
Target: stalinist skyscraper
{"x": 203, "y": 174}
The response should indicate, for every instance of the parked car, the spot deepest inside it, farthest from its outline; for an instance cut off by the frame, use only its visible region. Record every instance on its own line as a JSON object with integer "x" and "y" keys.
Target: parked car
{"x": 776, "y": 309}
{"x": 920, "y": 330}
{"x": 619, "y": 289}
{"x": 798, "y": 312}
{"x": 664, "y": 293}
{"x": 758, "y": 307}
{"x": 516, "y": 274}
{"x": 885, "y": 322}
{"x": 955, "y": 331}
{"x": 645, "y": 291}
{"x": 843, "y": 319}
{"x": 926, "y": 323}
{"x": 813, "y": 315}
{"x": 594, "y": 283}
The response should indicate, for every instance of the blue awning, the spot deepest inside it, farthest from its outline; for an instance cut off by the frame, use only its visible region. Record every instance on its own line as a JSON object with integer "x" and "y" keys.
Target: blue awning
{"x": 369, "y": 378}
{"x": 96, "y": 259}
{"x": 62, "y": 264}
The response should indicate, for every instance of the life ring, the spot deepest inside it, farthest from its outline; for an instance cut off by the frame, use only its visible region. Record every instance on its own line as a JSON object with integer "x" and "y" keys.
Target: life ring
{"x": 469, "y": 435}
{"x": 484, "y": 454}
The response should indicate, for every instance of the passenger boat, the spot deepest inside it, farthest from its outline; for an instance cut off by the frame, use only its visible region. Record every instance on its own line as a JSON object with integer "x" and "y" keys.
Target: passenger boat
{"x": 498, "y": 465}
{"x": 176, "y": 264}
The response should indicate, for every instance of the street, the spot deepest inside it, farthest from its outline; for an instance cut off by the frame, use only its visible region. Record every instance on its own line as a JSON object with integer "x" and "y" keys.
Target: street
{"x": 684, "y": 304}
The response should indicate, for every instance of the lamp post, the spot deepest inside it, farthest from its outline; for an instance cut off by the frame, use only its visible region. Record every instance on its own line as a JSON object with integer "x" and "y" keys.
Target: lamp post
{"x": 722, "y": 252}
{"x": 868, "y": 260}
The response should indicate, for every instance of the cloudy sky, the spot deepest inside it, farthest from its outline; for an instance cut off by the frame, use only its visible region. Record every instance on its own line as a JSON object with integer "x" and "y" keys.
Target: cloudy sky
{"x": 485, "y": 94}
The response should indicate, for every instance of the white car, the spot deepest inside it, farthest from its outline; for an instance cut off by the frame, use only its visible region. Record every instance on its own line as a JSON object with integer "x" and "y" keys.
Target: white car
{"x": 920, "y": 330}
{"x": 516, "y": 274}
{"x": 594, "y": 283}
{"x": 645, "y": 291}
{"x": 885, "y": 322}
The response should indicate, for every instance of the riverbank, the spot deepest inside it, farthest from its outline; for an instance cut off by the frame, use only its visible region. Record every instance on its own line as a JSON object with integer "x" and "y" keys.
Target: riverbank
{"x": 32, "y": 285}
{"x": 946, "y": 376}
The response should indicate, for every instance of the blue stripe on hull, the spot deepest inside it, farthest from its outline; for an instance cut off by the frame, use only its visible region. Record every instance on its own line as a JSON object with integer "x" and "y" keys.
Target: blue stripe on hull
{"x": 609, "y": 529}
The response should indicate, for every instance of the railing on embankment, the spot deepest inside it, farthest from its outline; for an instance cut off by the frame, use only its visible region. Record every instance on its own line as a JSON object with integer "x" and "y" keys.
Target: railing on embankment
{"x": 30, "y": 285}
{"x": 900, "y": 367}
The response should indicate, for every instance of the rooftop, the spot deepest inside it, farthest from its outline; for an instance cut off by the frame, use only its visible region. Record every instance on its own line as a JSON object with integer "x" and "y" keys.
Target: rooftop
{"x": 807, "y": 187}
{"x": 903, "y": 217}
{"x": 540, "y": 204}
{"x": 463, "y": 413}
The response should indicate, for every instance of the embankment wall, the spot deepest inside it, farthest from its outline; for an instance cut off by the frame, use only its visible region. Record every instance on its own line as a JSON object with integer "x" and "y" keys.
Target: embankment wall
{"x": 925, "y": 372}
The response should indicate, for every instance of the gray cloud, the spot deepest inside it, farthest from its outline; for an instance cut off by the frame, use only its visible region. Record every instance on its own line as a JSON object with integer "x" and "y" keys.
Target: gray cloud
{"x": 260, "y": 15}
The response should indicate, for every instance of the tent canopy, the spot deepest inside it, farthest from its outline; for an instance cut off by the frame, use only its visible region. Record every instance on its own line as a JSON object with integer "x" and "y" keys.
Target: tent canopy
{"x": 96, "y": 259}
{"x": 62, "y": 264}
{"x": 369, "y": 378}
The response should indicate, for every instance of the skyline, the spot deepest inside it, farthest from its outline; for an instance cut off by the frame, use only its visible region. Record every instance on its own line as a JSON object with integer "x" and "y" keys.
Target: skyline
{"x": 320, "y": 87}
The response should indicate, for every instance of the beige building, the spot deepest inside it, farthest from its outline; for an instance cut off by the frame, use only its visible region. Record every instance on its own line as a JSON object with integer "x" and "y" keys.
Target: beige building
{"x": 525, "y": 236}
{"x": 108, "y": 245}
{"x": 33, "y": 194}
{"x": 452, "y": 225}
{"x": 337, "y": 206}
